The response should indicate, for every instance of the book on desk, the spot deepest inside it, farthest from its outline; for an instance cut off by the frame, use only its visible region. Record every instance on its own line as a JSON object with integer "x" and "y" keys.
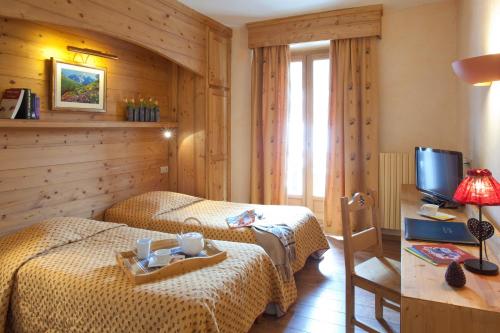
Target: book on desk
{"x": 436, "y": 231}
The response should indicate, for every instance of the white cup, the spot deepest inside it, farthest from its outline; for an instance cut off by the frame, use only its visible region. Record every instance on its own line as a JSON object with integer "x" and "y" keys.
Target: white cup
{"x": 429, "y": 209}
{"x": 143, "y": 248}
{"x": 162, "y": 256}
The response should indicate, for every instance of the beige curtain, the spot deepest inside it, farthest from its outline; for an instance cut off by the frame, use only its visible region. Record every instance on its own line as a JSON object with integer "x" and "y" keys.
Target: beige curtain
{"x": 352, "y": 161}
{"x": 270, "y": 67}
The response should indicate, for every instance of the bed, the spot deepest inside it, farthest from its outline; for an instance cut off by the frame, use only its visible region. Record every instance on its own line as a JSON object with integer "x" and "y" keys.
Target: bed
{"x": 61, "y": 276}
{"x": 166, "y": 211}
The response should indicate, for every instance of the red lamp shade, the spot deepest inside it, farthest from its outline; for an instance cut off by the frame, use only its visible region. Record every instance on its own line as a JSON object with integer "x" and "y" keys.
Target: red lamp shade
{"x": 478, "y": 188}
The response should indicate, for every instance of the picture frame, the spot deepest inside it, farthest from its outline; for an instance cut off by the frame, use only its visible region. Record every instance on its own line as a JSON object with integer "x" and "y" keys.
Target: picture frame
{"x": 77, "y": 87}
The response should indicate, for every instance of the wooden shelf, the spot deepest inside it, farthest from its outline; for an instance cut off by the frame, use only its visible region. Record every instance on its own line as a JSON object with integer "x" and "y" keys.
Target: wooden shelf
{"x": 20, "y": 123}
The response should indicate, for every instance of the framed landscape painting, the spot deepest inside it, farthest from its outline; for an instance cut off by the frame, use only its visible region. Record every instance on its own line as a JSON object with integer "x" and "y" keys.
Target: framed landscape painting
{"x": 78, "y": 87}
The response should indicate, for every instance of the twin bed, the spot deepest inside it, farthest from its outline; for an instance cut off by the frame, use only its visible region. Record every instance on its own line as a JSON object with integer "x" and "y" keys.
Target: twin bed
{"x": 166, "y": 212}
{"x": 61, "y": 274}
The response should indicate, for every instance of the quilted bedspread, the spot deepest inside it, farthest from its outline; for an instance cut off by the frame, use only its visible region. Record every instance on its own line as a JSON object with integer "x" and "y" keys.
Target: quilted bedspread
{"x": 166, "y": 211}
{"x": 61, "y": 276}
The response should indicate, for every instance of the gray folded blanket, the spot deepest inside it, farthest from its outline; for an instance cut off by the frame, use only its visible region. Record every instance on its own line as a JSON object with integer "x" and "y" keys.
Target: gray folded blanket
{"x": 278, "y": 241}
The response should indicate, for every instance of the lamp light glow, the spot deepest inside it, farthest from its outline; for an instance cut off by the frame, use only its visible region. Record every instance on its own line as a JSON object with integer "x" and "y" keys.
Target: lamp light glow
{"x": 167, "y": 134}
{"x": 479, "y": 188}
{"x": 478, "y": 71}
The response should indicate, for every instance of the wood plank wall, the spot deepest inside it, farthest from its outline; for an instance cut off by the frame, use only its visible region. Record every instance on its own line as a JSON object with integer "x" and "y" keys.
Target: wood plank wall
{"x": 81, "y": 172}
{"x": 187, "y": 173}
{"x": 163, "y": 26}
{"x": 47, "y": 172}
{"x": 26, "y": 49}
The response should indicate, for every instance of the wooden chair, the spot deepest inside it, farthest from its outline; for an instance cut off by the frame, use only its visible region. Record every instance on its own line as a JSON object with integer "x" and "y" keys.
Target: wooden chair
{"x": 379, "y": 275}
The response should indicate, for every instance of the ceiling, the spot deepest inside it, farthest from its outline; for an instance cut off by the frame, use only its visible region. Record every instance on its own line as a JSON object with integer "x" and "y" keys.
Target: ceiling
{"x": 235, "y": 13}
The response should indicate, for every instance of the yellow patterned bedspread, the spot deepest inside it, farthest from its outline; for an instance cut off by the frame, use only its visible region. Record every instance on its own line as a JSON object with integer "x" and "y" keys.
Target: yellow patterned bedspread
{"x": 61, "y": 276}
{"x": 165, "y": 211}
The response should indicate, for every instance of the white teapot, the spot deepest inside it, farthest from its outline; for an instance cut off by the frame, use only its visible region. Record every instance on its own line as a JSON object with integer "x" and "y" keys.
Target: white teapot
{"x": 191, "y": 243}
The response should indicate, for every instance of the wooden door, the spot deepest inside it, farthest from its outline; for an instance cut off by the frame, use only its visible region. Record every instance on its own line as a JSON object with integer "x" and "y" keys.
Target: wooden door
{"x": 218, "y": 145}
{"x": 218, "y": 60}
{"x": 218, "y": 117}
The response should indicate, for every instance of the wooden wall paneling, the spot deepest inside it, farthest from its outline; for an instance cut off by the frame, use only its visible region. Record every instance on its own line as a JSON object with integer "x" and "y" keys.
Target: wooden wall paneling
{"x": 172, "y": 143}
{"x": 207, "y": 21}
{"x": 228, "y": 122}
{"x": 23, "y": 178}
{"x": 200, "y": 136}
{"x": 217, "y": 127}
{"x": 71, "y": 191}
{"x": 165, "y": 27}
{"x": 49, "y": 172}
{"x": 336, "y": 24}
{"x": 218, "y": 117}
{"x": 27, "y": 48}
{"x": 186, "y": 182}
{"x": 90, "y": 207}
{"x": 188, "y": 165}
{"x": 75, "y": 172}
{"x": 17, "y": 138}
{"x": 25, "y": 123}
{"x": 218, "y": 60}
{"x": 33, "y": 157}
{"x": 98, "y": 147}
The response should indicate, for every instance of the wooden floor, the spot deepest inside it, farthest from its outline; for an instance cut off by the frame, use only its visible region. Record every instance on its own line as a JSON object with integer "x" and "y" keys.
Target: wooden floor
{"x": 320, "y": 306}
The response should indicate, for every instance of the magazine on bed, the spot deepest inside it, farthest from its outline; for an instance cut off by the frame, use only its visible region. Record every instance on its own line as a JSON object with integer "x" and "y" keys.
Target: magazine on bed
{"x": 245, "y": 219}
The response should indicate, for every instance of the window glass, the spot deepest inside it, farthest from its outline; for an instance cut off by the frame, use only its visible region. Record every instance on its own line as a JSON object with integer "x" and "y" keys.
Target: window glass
{"x": 321, "y": 92}
{"x": 296, "y": 128}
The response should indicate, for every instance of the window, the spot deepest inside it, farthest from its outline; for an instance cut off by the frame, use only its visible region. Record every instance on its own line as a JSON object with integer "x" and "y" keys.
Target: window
{"x": 296, "y": 127}
{"x": 321, "y": 88}
{"x": 308, "y": 130}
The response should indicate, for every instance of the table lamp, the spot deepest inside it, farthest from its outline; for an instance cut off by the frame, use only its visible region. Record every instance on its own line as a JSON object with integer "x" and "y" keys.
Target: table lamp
{"x": 481, "y": 189}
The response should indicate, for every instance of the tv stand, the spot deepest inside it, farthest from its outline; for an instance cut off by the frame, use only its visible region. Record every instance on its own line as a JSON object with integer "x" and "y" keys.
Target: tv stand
{"x": 441, "y": 203}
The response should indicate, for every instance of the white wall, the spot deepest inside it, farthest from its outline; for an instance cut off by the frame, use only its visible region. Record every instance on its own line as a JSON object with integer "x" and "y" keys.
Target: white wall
{"x": 240, "y": 116}
{"x": 479, "y": 34}
{"x": 418, "y": 90}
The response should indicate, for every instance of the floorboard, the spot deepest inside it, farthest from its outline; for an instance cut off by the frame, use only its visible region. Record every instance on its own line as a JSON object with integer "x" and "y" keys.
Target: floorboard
{"x": 320, "y": 305}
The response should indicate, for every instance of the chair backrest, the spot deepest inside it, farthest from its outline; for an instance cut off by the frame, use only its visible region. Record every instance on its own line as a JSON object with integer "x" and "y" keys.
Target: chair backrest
{"x": 366, "y": 238}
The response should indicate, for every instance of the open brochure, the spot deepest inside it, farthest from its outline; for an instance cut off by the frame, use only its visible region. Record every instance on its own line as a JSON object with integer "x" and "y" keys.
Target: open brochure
{"x": 245, "y": 219}
{"x": 443, "y": 253}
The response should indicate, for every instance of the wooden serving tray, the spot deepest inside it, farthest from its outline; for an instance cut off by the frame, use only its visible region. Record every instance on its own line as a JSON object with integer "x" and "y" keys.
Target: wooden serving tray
{"x": 139, "y": 274}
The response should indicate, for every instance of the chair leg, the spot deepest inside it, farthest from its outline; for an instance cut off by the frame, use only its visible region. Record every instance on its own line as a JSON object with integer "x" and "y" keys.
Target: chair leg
{"x": 349, "y": 307}
{"x": 379, "y": 307}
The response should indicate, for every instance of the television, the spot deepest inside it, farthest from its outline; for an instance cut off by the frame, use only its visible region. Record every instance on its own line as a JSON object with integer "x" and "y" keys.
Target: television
{"x": 438, "y": 173}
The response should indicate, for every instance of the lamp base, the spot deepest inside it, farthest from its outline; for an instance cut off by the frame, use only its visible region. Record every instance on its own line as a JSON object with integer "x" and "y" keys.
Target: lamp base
{"x": 485, "y": 268}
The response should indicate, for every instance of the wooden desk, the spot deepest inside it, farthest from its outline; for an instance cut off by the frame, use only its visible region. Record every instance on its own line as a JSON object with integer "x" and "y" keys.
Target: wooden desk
{"x": 428, "y": 304}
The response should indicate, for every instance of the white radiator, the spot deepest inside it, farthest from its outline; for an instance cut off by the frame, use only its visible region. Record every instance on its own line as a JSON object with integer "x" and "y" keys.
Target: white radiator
{"x": 395, "y": 169}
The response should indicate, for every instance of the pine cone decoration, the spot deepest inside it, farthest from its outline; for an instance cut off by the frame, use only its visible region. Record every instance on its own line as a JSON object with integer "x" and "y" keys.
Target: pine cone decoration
{"x": 455, "y": 275}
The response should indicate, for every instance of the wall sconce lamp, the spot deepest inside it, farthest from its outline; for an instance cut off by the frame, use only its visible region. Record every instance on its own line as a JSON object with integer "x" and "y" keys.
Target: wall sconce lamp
{"x": 168, "y": 133}
{"x": 478, "y": 71}
{"x": 92, "y": 52}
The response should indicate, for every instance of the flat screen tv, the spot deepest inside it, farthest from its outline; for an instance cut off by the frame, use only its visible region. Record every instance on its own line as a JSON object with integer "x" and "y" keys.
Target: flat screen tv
{"x": 439, "y": 172}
